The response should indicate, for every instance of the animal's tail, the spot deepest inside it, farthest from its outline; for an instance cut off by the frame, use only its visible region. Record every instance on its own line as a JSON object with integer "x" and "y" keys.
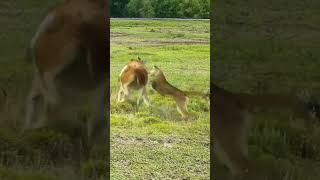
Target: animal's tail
{"x": 124, "y": 69}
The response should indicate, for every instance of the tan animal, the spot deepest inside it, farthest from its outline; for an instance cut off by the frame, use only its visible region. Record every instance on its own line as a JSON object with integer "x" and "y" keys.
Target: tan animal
{"x": 163, "y": 87}
{"x": 70, "y": 56}
{"x": 133, "y": 76}
{"x": 231, "y": 125}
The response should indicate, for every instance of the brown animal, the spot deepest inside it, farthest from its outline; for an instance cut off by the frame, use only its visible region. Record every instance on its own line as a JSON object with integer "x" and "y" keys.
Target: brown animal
{"x": 133, "y": 76}
{"x": 70, "y": 56}
{"x": 163, "y": 87}
{"x": 231, "y": 125}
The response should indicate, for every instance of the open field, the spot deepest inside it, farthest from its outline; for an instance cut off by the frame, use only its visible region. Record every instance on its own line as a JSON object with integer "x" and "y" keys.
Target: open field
{"x": 271, "y": 47}
{"x": 154, "y": 143}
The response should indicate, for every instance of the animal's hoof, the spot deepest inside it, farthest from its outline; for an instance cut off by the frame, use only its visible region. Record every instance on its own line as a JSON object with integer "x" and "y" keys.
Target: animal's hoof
{"x": 185, "y": 118}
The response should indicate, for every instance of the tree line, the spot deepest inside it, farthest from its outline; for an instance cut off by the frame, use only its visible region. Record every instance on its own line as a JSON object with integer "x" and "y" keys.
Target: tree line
{"x": 160, "y": 8}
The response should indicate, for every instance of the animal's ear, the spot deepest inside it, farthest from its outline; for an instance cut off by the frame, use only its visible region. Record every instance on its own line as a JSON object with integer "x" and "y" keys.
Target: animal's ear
{"x": 156, "y": 67}
{"x": 139, "y": 58}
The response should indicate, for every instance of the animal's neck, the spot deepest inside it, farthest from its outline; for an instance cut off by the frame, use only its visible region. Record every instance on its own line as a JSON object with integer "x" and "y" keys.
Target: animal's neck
{"x": 161, "y": 77}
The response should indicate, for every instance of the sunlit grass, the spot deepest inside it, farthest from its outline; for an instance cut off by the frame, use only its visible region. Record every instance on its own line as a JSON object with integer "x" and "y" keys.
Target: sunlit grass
{"x": 154, "y": 142}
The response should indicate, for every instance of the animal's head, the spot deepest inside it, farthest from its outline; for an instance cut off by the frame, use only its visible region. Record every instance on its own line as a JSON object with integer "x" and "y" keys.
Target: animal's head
{"x": 155, "y": 72}
{"x": 139, "y": 60}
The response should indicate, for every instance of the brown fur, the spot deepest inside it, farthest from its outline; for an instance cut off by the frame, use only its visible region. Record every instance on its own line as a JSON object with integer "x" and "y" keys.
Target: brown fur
{"x": 231, "y": 125}
{"x": 133, "y": 76}
{"x": 163, "y": 87}
{"x": 70, "y": 53}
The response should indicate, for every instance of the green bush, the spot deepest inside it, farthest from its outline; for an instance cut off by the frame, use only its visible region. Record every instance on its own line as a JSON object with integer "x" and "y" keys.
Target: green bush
{"x": 140, "y": 8}
{"x": 161, "y": 8}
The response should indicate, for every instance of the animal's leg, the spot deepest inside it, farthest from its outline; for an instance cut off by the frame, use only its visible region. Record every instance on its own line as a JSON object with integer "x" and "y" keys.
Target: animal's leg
{"x": 239, "y": 163}
{"x": 139, "y": 99}
{"x": 50, "y": 89}
{"x": 126, "y": 92}
{"x": 35, "y": 107}
{"x": 120, "y": 97}
{"x": 235, "y": 159}
{"x": 145, "y": 96}
{"x": 98, "y": 126}
{"x": 182, "y": 107}
{"x": 233, "y": 153}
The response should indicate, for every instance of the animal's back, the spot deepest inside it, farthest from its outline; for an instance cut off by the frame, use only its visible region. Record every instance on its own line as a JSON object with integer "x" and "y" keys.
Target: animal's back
{"x": 134, "y": 74}
{"x": 165, "y": 88}
{"x": 60, "y": 32}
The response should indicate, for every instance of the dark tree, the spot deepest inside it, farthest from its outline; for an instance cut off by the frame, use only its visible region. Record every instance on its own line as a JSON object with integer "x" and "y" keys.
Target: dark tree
{"x": 117, "y": 7}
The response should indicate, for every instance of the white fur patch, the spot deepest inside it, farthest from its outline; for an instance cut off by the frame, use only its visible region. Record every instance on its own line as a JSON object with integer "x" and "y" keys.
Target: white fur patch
{"x": 43, "y": 26}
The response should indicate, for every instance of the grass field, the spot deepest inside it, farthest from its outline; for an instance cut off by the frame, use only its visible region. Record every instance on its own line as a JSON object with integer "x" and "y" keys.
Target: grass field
{"x": 271, "y": 47}
{"x": 154, "y": 143}
{"x": 259, "y": 47}
{"x": 149, "y": 143}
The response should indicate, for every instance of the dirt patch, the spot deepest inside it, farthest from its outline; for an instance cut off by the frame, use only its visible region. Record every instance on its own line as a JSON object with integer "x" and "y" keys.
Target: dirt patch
{"x": 118, "y": 34}
{"x": 126, "y": 141}
{"x": 177, "y": 42}
{"x": 160, "y": 42}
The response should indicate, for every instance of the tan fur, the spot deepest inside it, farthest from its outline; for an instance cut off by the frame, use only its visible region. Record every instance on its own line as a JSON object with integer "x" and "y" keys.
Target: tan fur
{"x": 133, "y": 76}
{"x": 163, "y": 87}
{"x": 231, "y": 125}
{"x": 70, "y": 55}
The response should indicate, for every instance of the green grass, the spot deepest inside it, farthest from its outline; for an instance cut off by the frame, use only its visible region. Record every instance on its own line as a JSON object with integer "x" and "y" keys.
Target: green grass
{"x": 271, "y": 47}
{"x": 154, "y": 143}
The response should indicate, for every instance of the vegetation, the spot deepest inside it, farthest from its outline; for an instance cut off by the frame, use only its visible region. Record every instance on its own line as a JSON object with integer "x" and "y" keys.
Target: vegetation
{"x": 172, "y": 148}
{"x": 160, "y": 8}
{"x": 154, "y": 143}
{"x": 271, "y": 47}
{"x": 44, "y": 154}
